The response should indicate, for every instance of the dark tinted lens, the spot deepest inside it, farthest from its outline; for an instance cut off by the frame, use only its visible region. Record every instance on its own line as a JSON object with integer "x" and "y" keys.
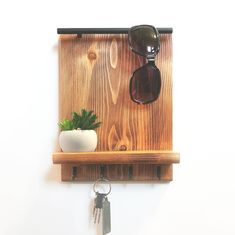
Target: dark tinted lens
{"x": 144, "y": 39}
{"x": 145, "y": 84}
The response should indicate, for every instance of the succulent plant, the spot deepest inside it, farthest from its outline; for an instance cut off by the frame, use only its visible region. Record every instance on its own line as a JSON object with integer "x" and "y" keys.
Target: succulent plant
{"x": 84, "y": 121}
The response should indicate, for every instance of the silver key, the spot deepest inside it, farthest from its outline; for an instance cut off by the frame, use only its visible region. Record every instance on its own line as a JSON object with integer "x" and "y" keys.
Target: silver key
{"x": 102, "y": 205}
{"x": 106, "y": 216}
{"x": 99, "y": 200}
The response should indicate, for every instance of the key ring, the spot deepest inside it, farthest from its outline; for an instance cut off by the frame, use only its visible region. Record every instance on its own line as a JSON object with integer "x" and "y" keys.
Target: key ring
{"x": 99, "y": 181}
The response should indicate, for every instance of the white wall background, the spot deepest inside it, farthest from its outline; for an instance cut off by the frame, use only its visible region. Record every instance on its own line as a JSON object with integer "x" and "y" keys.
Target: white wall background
{"x": 200, "y": 200}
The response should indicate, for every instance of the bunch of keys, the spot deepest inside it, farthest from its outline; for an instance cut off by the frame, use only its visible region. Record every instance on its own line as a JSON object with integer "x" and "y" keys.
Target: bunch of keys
{"x": 102, "y": 205}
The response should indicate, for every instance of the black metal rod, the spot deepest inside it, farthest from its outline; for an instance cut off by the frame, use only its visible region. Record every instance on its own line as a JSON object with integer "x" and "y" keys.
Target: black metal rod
{"x": 104, "y": 30}
{"x": 74, "y": 172}
{"x": 103, "y": 170}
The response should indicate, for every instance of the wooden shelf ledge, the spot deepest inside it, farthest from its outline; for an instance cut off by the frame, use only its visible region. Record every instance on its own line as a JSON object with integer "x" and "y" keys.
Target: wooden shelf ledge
{"x": 117, "y": 157}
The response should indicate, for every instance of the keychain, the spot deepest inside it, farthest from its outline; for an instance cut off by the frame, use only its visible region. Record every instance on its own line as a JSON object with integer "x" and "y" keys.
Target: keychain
{"x": 102, "y": 205}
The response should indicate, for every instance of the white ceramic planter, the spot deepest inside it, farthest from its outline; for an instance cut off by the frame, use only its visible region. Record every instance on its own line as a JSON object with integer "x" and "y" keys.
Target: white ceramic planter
{"x": 78, "y": 140}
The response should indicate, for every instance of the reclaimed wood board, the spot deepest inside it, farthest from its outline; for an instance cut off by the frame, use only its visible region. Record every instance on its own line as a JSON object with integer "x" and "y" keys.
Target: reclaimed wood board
{"x": 95, "y": 72}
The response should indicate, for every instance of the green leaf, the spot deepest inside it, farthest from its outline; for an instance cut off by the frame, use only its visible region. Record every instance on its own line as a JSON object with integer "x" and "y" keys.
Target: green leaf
{"x": 92, "y": 119}
{"x": 83, "y": 114}
{"x": 76, "y": 120}
{"x": 86, "y": 120}
{"x": 66, "y": 125}
{"x": 94, "y": 126}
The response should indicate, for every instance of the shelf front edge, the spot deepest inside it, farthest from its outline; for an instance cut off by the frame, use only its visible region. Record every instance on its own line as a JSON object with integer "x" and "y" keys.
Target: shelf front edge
{"x": 117, "y": 157}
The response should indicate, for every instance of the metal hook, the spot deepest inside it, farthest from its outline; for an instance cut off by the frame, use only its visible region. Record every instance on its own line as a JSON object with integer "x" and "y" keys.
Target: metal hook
{"x": 74, "y": 172}
{"x": 130, "y": 172}
{"x": 158, "y": 172}
{"x": 103, "y": 170}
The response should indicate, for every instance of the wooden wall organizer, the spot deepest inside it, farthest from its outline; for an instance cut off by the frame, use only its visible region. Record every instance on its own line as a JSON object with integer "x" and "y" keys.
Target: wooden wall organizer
{"x": 134, "y": 141}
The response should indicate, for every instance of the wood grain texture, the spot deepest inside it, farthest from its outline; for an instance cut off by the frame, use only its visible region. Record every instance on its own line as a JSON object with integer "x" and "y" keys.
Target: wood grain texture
{"x": 95, "y": 72}
{"x": 117, "y": 157}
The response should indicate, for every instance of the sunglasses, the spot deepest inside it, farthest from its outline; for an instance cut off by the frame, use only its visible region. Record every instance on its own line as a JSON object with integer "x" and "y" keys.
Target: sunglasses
{"x": 145, "y": 83}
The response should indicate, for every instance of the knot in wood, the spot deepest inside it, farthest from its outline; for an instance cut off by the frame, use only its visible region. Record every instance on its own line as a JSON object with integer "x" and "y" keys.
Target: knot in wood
{"x": 92, "y": 55}
{"x": 123, "y": 147}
